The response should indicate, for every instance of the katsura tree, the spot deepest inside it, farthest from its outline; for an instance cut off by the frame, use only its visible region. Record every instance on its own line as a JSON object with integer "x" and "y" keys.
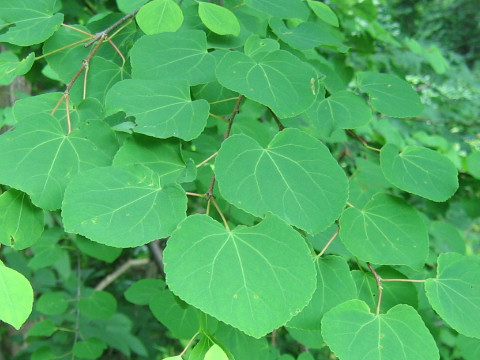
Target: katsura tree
{"x": 286, "y": 176}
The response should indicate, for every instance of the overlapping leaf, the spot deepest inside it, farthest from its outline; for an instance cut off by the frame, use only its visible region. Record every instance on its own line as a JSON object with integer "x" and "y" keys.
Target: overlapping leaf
{"x": 455, "y": 293}
{"x": 254, "y": 278}
{"x": 352, "y": 333}
{"x": 276, "y": 79}
{"x": 34, "y": 22}
{"x": 16, "y": 297}
{"x": 420, "y": 171}
{"x": 161, "y": 109}
{"x": 122, "y": 206}
{"x": 10, "y": 66}
{"x": 331, "y": 271}
{"x": 40, "y": 159}
{"x": 389, "y": 94}
{"x": 385, "y": 231}
{"x": 180, "y": 56}
{"x": 21, "y": 223}
{"x": 281, "y": 8}
{"x": 218, "y": 19}
{"x": 295, "y": 177}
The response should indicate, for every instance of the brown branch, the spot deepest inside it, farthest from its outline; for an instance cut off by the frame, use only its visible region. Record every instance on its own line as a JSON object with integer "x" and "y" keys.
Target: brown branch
{"x": 157, "y": 253}
{"x": 362, "y": 140}
{"x": 378, "y": 280}
{"x": 328, "y": 244}
{"x": 235, "y": 111}
{"x": 275, "y": 117}
{"x": 117, "y": 273}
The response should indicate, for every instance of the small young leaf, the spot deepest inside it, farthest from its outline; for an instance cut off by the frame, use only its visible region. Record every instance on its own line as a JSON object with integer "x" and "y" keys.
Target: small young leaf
{"x": 352, "y": 333}
{"x": 43, "y": 328}
{"x": 455, "y": 293}
{"x": 98, "y": 251}
{"x": 218, "y": 19}
{"x": 142, "y": 291}
{"x": 389, "y": 94}
{"x": 159, "y": 16}
{"x": 242, "y": 277}
{"x": 420, "y": 171}
{"x": 323, "y": 12}
{"x": 216, "y": 353}
{"x": 100, "y": 305}
{"x": 52, "y": 303}
{"x": 16, "y": 297}
{"x": 91, "y": 348}
{"x": 386, "y": 231}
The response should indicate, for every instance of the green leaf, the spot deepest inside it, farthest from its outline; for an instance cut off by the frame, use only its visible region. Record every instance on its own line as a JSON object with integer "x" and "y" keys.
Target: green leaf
{"x": 446, "y": 237}
{"x": 10, "y": 66}
{"x": 161, "y": 109}
{"x": 323, "y": 12}
{"x": 96, "y": 250}
{"x": 420, "y": 171}
{"x": 473, "y": 164}
{"x": 100, "y": 305}
{"x": 341, "y": 110}
{"x": 307, "y": 35}
{"x": 40, "y": 159}
{"x": 242, "y": 277}
{"x": 255, "y": 45}
{"x": 21, "y": 223}
{"x": 389, "y": 94}
{"x": 173, "y": 56}
{"x": 386, "y": 231}
{"x": 199, "y": 351}
{"x": 331, "y": 271}
{"x": 218, "y": 19}
{"x": 142, "y": 291}
{"x": 43, "y": 328}
{"x": 275, "y": 79}
{"x": 52, "y": 303}
{"x": 46, "y": 250}
{"x": 163, "y": 157}
{"x": 159, "y": 16}
{"x": 91, "y": 348}
{"x": 455, "y": 293}
{"x": 180, "y": 318}
{"x": 281, "y": 8}
{"x": 127, "y": 6}
{"x": 469, "y": 347}
{"x": 122, "y": 206}
{"x": 16, "y": 297}
{"x": 34, "y": 22}
{"x": 216, "y": 353}
{"x": 394, "y": 292}
{"x": 352, "y": 333}
{"x": 295, "y": 177}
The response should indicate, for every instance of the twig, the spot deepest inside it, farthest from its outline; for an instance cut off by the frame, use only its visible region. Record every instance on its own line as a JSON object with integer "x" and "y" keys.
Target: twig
{"x": 207, "y": 159}
{"x": 362, "y": 140}
{"x": 189, "y": 343}
{"x": 79, "y": 295}
{"x": 378, "y": 279}
{"x": 328, "y": 244}
{"x": 157, "y": 253}
{"x": 117, "y": 273}
{"x": 104, "y": 34}
{"x": 225, "y": 222}
{"x": 275, "y": 117}
{"x": 235, "y": 111}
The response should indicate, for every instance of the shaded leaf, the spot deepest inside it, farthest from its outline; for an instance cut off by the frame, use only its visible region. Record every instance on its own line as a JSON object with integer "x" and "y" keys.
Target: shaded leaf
{"x": 52, "y": 303}
{"x": 420, "y": 171}
{"x": 389, "y": 94}
{"x": 100, "y": 305}
{"x": 142, "y": 291}
{"x": 243, "y": 277}
{"x": 281, "y": 8}
{"x": 21, "y": 223}
{"x": 98, "y": 251}
{"x": 91, "y": 348}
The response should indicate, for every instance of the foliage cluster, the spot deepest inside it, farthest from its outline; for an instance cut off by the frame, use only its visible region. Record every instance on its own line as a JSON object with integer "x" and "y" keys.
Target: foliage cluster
{"x": 242, "y": 179}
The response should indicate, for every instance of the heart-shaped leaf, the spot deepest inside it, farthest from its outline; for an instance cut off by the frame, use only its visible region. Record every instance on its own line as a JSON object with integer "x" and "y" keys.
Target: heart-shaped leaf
{"x": 161, "y": 109}
{"x": 353, "y": 333}
{"x": 160, "y": 16}
{"x": 243, "y": 277}
{"x": 455, "y": 293}
{"x": 386, "y": 231}
{"x": 276, "y": 79}
{"x": 295, "y": 177}
{"x": 420, "y": 171}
